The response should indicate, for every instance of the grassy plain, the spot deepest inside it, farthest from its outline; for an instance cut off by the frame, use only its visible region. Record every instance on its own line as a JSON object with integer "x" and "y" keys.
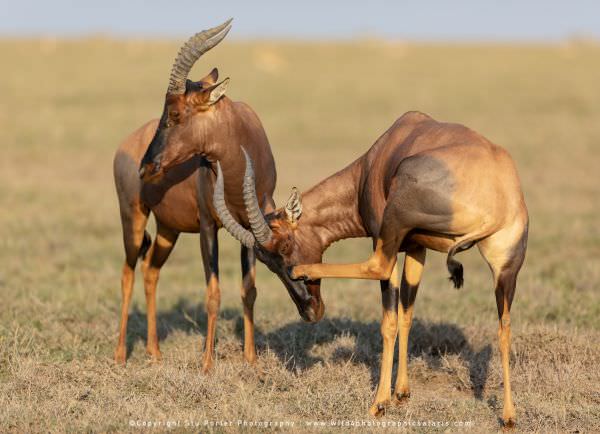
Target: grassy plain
{"x": 66, "y": 104}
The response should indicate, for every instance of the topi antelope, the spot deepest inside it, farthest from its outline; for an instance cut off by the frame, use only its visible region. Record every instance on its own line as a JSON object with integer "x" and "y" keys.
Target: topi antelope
{"x": 201, "y": 125}
{"x": 422, "y": 185}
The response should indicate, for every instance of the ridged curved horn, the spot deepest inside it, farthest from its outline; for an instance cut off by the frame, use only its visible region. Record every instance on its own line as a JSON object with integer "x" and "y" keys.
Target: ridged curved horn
{"x": 241, "y": 234}
{"x": 260, "y": 228}
{"x": 191, "y": 51}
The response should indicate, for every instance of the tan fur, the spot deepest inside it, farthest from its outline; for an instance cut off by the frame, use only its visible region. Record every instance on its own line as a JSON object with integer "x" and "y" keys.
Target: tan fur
{"x": 411, "y": 277}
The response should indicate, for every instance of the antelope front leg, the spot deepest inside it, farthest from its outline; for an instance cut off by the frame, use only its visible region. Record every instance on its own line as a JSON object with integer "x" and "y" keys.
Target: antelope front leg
{"x": 389, "y": 329}
{"x": 213, "y": 302}
{"x": 210, "y": 258}
{"x": 248, "y": 298}
{"x": 411, "y": 277}
{"x": 378, "y": 267}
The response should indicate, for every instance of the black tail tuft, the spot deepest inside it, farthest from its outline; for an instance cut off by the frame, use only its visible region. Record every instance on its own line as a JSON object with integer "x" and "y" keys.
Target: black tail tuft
{"x": 146, "y": 242}
{"x": 454, "y": 267}
{"x": 456, "y": 272}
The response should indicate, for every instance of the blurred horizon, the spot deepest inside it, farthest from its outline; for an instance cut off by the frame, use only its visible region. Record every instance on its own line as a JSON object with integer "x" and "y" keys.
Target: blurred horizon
{"x": 428, "y": 21}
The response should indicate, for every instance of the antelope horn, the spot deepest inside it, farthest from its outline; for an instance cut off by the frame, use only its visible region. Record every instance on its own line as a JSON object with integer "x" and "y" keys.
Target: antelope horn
{"x": 191, "y": 51}
{"x": 241, "y": 234}
{"x": 260, "y": 228}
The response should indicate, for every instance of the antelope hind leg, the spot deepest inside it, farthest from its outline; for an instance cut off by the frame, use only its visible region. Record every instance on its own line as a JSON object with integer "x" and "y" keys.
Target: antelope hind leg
{"x": 411, "y": 277}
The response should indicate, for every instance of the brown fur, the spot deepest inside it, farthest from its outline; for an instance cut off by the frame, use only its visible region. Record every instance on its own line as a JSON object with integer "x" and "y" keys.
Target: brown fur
{"x": 422, "y": 185}
{"x": 179, "y": 195}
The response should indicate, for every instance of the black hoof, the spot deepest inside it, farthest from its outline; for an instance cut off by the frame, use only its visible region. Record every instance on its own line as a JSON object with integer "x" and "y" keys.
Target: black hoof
{"x": 377, "y": 410}
{"x": 509, "y": 424}
{"x": 402, "y": 398}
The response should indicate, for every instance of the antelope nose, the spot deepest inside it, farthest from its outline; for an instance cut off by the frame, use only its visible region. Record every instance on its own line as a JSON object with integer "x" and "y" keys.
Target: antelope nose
{"x": 308, "y": 315}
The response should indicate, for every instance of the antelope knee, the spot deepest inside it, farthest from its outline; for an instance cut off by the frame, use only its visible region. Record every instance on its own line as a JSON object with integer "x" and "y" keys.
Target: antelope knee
{"x": 389, "y": 327}
{"x": 150, "y": 278}
{"x": 377, "y": 271}
{"x": 213, "y": 303}
{"x": 406, "y": 321}
{"x": 504, "y": 336}
{"x": 249, "y": 296}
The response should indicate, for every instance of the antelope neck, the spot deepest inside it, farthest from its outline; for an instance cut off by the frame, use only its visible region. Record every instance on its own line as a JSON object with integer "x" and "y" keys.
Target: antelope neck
{"x": 330, "y": 210}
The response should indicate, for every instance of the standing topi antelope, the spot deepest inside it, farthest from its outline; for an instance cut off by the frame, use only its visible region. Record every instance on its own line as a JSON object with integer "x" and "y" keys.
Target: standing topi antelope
{"x": 199, "y": 125}
{"x": 423, "y": 185}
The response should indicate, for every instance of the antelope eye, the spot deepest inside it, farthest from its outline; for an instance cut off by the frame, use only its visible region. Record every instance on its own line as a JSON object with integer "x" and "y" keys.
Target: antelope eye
{"x": 172, "y": 118}
{"x": 285, "y": 248}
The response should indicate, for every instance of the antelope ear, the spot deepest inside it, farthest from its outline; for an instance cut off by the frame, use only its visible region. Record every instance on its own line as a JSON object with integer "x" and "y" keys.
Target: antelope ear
{"x": 217, "y": 91}
{"x": 293, "y": 207}
{"x": 212, "y": 77}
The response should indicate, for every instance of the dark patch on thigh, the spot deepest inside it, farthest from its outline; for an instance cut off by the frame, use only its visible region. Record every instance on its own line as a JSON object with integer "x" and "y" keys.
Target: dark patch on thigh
{"x": 421, "y": 194}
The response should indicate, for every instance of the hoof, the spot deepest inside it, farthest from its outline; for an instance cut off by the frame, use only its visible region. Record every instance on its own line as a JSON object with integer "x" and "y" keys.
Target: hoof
{"x": 377, "y": 410}
{"x": 155, "y": 354}
{"x": 250, "y": 358}
{"x": 509, "y": 424}
{"x": 207, "y": 366}
{"x": 401, "y": 398}
{"x": 120, "y": 356}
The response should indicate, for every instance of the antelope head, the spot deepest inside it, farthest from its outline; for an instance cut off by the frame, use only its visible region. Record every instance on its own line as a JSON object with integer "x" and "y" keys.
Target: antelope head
{"x": 273, "y": 239}
{"x": 190, "y": 108}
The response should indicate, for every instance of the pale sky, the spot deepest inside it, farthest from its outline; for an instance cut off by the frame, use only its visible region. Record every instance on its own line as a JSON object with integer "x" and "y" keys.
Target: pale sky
{"x": 499, "y": 20}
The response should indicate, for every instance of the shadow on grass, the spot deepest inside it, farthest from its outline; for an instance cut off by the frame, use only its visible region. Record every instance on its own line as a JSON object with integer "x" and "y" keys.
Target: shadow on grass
{"x": 294, "y": 343}
{"x": 183, "y": 316}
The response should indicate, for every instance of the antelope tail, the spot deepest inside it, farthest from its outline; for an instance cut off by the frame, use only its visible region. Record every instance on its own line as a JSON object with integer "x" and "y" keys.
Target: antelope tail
{"x": 454, "y": 267}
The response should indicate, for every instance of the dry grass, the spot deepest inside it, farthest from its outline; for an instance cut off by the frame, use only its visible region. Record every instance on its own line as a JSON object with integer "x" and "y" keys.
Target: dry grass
{"x": 66, "y": 104}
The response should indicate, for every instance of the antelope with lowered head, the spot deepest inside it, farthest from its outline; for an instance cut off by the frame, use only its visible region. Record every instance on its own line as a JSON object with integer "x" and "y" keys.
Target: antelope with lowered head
{"x": 173, "y": 156}
{"x": 423, "y": 185}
